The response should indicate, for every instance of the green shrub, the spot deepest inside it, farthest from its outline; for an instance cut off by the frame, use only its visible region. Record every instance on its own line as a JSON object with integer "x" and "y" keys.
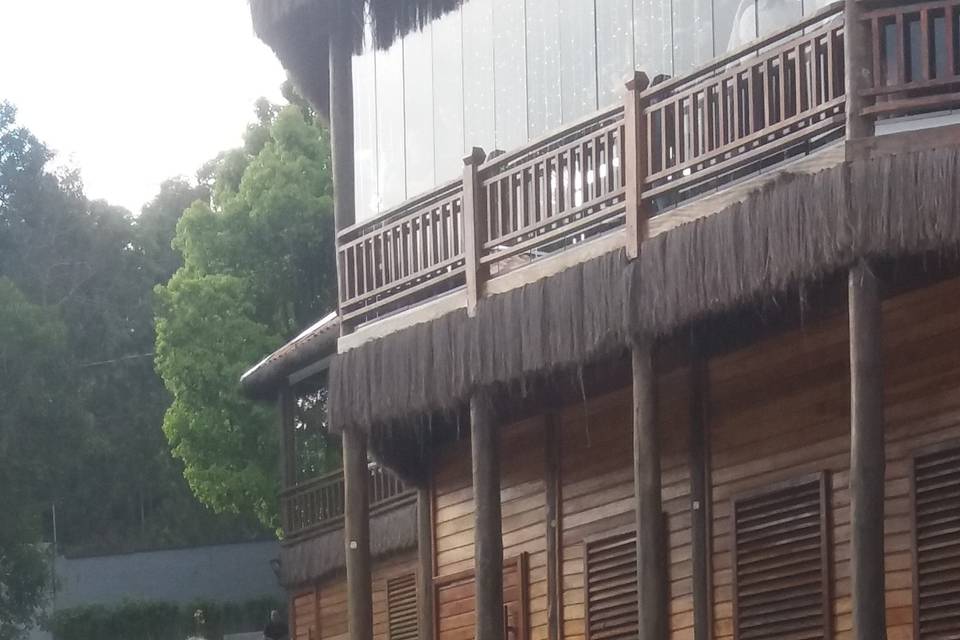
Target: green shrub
{"x": 142, "y": 620}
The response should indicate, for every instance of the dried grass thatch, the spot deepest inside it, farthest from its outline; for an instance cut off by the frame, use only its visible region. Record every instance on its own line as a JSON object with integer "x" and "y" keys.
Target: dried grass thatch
{"x": 297, "y": 32}
{"x": 318, "y": 557}
{"x": 796, "y": 229}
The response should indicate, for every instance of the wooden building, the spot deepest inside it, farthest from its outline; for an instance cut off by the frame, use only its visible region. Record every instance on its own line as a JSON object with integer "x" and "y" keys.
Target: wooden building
{"x": 677, "y": 359}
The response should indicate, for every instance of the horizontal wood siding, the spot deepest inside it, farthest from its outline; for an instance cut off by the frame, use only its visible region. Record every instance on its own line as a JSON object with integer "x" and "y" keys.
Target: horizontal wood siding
{"x": 596, "y": 470}
{"x": 303, "y": 614}
{"x": 523, "y": 464}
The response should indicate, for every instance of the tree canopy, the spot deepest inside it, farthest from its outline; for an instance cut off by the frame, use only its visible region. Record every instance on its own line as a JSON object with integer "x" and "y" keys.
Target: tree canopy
{"x": 258, "y": 266}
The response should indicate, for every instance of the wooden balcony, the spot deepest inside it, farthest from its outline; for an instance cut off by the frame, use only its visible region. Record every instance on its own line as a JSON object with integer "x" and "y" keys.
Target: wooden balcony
{"x": 318, "y": 505}
{"x": 776, "y": 100}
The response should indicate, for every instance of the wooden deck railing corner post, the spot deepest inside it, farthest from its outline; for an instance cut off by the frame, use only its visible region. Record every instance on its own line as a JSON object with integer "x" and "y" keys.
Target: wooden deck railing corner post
{"x": 858, "y": 69}
{"x": 635, "y": 162}
{"x": 472, "y": 226}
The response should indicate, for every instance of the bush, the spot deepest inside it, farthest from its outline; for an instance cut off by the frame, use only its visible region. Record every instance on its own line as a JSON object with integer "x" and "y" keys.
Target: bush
{"x": 138, "y": 620}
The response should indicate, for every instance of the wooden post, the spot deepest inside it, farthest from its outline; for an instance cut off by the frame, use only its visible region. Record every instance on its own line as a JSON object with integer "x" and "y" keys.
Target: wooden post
{"x": 356, "y": 535}
{"x": 472, "y": 227}
{"x": 867, "y": 456}
{"x": 425, "y": 559}
{"x": 858, "y": 69}
{"x": 635, "y": 162}
{"x": 651, "y": 581}
{"x": 554, "y": 506}
{"x": 341, "y": 113}
{"x": 488, "y": 528}
{"x": 288, "y": 455}
{"x": 700, "y": 506}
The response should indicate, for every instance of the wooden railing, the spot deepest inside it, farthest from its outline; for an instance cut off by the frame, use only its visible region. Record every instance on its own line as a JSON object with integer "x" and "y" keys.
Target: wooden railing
{"x": 745, "y": 107}
{"x": 915, "y": 57}
{"x": 779, "y": 97}
{"x": 319, "y": 503}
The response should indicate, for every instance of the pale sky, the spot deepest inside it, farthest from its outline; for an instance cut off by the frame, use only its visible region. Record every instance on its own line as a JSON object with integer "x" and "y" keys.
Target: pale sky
{"x": 132, "y": 92}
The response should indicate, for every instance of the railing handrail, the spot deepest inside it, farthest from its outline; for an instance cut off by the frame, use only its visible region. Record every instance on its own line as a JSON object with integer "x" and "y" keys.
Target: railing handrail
{"x": 330, "y": 477}
{"x": 741, "y": 53}
{"x": 409, "y": 206}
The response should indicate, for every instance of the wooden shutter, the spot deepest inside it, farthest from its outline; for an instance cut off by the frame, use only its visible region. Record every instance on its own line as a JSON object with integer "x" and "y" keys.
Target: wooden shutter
{"x": 402, "y": 607}
{"x": 936, "y": 497}
{"x": 304, "y": 618}
{"x": 780, "y": 562}
{"x": 455, "y": 602}
{"x": 610, "y": 579}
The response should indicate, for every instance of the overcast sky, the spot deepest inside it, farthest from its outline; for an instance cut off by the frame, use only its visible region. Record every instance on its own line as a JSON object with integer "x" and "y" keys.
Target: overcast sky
{"x": 132, "y": 92}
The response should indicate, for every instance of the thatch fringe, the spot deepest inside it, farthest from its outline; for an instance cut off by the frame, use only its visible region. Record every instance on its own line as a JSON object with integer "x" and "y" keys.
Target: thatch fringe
{"x": 797, "y": 229}
{"x": 317, "y": 557}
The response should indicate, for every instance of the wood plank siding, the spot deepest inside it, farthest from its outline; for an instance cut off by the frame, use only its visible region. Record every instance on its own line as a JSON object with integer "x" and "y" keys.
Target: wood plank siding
{"x": 777, "y": 415}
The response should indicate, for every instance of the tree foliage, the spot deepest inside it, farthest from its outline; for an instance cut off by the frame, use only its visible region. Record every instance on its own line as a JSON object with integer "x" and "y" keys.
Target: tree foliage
{"x": 258, "y": 265}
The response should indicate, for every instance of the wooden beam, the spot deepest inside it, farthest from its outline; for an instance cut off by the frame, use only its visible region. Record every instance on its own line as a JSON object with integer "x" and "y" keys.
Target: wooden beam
{"x": 858, "y": 69}
{"x": 554, "y": 503}
{"x": 425, "y": 557}
{"x": 341, "y": 113}
{"x": 867, "y": 456}
{"x": 635, "y": 162}
{"x": 472, "y": 226}
{"x": 288, "y": 454}
{"x": 356, "y": 535}
{"x": 651, "y": 551}
{"x": 488, "y": 527}
{"x": 700, "y": 505}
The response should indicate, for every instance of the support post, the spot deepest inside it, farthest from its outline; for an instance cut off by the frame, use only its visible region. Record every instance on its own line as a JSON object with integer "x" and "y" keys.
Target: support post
{"x": 488, "y": 528}
{"x": 867, "y": 456}
{"x": 858, "y": 69}
{"x": 356, "y": 535}
{"x": 651, "y": 552}
{"x": 425, "y": 559}
{"x": 635, "y": 162}
{"x": 700, "y": 499}
{"x": 288, "y": 462}
{"x": 473, "y": 228}
{"x": 554, "y": 504}
{"x": 341, "y": 113}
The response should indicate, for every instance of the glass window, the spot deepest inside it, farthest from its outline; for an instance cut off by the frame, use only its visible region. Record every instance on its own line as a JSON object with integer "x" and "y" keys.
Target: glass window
{"x": 509, "y": 52}
{"x": 391, "y": 161}
{"x": 543, "y": 66}
{"x": 653, "y": 25}
{"x": 478, "y": 114}
{"x": 448, "y": 97}
{"x": 365, "y": 131}
{"x": 615, "y": 49}
{"x": 777, "y": 14}
{"x": 578, "y": 59}
{"x": 692, "y": 34}
{"x": 418, "y": 110}
{"x": 734, "y": 23}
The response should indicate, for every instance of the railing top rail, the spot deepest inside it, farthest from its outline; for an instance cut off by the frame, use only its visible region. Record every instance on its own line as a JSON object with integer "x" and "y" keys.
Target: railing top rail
{"x": 403, "y": 209}
{"x": 550, "y": 138}
{"x": 331, "y": 477}
{"x": 738, "y": 55}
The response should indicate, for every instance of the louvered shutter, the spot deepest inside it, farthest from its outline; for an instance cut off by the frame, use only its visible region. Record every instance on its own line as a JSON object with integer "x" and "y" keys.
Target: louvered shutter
{"x": 304, "y": 616}
{"x": 610, "y": 566}
{"x": 402, "y": 607}
{"x": 780, "y": 570}
{"x": 936, "y": 486}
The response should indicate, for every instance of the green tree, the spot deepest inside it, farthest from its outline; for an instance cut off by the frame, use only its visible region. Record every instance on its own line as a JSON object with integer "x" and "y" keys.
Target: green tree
{"x": 258, "y": 265}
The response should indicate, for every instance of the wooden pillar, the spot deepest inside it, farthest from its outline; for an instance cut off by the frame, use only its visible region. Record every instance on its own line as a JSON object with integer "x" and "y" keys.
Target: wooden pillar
{"x": 425, "y": 559}
{"x": 700, "y": 498}
{"x": 858, "y": 69}
{"x": 356, "y": 534}
{"x": 341, "y": 112}
{"x": 651, "y": 550}
{"x": 288, "y": 455}
{"x": 472, "y": 227}
{"x": 554, "y": 504}
{"x": 867, "y": 456}
{"x": 635, "y": 162}
{"x": 488, "y": 529}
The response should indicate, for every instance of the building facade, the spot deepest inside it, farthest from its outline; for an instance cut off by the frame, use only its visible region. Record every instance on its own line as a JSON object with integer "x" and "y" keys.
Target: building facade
{"x": 673, "y": 356}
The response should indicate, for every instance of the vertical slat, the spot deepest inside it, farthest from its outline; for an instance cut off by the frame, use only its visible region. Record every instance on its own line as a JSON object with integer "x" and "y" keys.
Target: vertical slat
{"x": 948, "y": 36}
{"x": 925, "y": 43}
{"x": 901, "y": 52}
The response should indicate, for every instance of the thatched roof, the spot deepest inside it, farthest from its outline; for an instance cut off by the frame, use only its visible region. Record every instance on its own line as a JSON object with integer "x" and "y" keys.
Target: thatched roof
{"x": 297, "y": 32}
{"x": 797, "y": 229}
{"x": 315, "y": 343}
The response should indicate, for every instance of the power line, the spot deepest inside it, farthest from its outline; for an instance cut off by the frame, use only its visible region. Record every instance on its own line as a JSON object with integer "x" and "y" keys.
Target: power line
{"x": 133, "y": 356}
